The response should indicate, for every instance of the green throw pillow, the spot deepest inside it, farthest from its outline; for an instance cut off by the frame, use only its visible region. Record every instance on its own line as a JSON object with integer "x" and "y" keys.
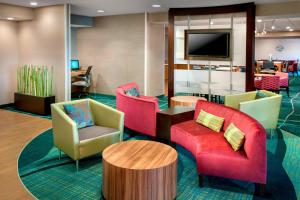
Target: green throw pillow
{"x": 234, "y": 136}
{"x": 132, "y": 92}
{"x": 210, "y": 121}
{"x": 80, "y": 113}
{"x": 260, "y": 95}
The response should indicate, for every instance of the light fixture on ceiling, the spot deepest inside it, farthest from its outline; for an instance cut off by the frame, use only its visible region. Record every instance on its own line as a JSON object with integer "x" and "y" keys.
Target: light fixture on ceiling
{"x": 156, "y": 6}
{"x": 100, "y": 11}
{"x": 10, "y": 18}
{"x": 291, "y": 29}
{"x": 273, "y": 25}
{"x": 211, "y": 23}
{"x": 259, "y": 20}
{"x": 288, "y": 27}
{"x": 33, "y": 3}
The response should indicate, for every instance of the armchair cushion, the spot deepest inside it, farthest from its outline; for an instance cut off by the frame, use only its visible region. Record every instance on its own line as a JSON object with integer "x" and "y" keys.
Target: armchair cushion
{"x": 234, "y": 136}
{"x": 80, "y": 113}
{"x": 211, "y": 121}
{"x": 94, "y": 131}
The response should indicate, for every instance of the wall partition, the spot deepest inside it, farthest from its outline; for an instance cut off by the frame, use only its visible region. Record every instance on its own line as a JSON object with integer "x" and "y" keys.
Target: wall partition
{"x": 211, "y": 76}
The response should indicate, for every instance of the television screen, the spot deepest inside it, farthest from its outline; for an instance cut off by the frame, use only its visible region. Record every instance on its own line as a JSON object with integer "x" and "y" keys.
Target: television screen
{"x": 207, "y": 44}
{"x": 74, "y": 64}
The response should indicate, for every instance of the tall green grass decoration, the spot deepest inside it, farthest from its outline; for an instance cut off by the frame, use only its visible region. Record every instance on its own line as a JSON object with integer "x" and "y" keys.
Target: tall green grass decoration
{"x": 35, "y": 80}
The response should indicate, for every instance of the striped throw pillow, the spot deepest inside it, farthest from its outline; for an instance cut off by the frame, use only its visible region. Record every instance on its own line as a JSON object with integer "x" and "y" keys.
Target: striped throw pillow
{"x": 210, "y": 121}
{"x": 234, "y": 136}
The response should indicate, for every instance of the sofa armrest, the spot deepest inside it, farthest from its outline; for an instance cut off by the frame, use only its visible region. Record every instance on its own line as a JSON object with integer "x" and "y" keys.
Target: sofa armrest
{"x": 234, "y": 100}
{"x": 65, "y": 132}
{"x": 265, "y": 110}
{"x": 106, "y": 116}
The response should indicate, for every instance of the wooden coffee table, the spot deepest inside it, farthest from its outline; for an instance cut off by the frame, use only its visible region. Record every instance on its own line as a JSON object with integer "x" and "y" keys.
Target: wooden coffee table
{"x": 138, "y": 170}
{"x": 185, "y": 100}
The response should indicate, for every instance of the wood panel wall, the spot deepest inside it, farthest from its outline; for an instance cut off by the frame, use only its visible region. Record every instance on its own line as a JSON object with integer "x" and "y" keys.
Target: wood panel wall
{"x": 249, "y": 8}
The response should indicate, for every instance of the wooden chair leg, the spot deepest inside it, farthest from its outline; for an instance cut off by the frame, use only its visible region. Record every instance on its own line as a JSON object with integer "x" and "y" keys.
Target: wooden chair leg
{"x": 260, "y": 189}
{"x": 201, "y": 180}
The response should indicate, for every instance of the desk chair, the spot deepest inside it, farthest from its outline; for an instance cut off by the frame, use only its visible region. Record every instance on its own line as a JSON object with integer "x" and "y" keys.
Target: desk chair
{"x": 84, "y": 82}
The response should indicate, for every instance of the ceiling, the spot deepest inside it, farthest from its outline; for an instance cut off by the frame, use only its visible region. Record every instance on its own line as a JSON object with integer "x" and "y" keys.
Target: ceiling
{"x": 280, "y": 24}
{"x": 115, "y": 7}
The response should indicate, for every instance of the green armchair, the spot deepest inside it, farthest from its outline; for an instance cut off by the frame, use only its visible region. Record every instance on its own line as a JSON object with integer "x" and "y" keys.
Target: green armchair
{"x": 81, "y": 143}
{"x": 264, "y": 110}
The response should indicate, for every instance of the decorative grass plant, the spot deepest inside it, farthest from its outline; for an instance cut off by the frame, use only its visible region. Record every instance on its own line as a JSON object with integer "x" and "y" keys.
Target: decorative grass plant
{"x": 35, "y": 80}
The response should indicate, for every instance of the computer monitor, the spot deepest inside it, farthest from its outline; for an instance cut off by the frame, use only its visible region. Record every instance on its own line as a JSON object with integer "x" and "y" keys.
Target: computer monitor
{"x": 75, "y": 65}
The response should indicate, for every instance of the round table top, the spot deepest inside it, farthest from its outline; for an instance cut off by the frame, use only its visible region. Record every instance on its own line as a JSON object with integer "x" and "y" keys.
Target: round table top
{"x": 139, "y": 154}
{"x": 187, "y": 99}
{"x": 263, "y": 75}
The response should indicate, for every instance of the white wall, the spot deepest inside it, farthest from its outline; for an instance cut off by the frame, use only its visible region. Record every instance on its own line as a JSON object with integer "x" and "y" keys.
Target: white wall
{"x": 115, "y": 47}
{"x": 265, "y": 47}
{"x": 8, "y": 60}
{"x": 42, "y": 42}
{"x": 74, "y": 47}
{"x": 156, "y": 57}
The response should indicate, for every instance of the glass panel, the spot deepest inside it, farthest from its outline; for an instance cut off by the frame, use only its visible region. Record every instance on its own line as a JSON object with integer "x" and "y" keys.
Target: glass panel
{"x": 203, "y": 77}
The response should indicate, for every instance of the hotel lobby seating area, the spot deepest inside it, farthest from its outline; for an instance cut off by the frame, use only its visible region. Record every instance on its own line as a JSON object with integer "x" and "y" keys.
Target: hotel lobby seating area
{"x": 164, "y": 101}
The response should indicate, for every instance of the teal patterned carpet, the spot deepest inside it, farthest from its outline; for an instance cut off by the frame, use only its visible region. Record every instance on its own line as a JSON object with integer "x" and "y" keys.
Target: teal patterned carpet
{"x": 47, "y": 177}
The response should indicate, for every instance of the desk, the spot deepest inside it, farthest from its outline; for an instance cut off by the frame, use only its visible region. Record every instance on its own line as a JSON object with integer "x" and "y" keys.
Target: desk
{"x": 260, "y": 75}
{"x": 76, "y": 73}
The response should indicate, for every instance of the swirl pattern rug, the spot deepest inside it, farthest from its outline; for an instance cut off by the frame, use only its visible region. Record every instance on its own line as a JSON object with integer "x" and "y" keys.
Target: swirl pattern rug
{"x": 47, "y": 177}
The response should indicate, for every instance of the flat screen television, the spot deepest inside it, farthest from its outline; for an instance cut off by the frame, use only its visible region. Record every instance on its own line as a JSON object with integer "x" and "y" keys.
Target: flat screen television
{"x": 208, "y": 44}
{"x": 75, "y": 65}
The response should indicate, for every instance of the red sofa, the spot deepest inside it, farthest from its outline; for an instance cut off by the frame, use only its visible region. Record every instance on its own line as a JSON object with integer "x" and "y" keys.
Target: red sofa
{"x": 140, "y": 112}
{"x": 214, "y": 155}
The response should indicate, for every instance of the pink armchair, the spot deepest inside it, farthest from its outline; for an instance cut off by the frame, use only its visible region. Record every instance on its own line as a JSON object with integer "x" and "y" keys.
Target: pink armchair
{"x": 271, "y": 83}
{"x": 140, "y": 112}
{"x": 284, "y": 81}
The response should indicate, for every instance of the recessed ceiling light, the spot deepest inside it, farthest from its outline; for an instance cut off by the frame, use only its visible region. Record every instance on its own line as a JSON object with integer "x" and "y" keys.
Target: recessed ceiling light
{"x": 211, "y": 23}
{"x": 287, "y": 27}
{"x": 100, "y": 11}
{"x": 33, "y": 3}
{"x": 156, "y": 6}
{"x": 291, "y": 29}
{"x": 259, "y": 20}
{"x": 10, "y": 18}
{"x": 273, "y": 27}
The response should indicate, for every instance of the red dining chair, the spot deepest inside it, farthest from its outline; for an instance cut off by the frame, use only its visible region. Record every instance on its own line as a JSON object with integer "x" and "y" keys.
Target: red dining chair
{"x": 271, "y": 83}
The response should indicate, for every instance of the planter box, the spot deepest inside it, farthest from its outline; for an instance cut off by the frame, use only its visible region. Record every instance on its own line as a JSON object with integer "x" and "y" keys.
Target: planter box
{"x": 34, "y": 104}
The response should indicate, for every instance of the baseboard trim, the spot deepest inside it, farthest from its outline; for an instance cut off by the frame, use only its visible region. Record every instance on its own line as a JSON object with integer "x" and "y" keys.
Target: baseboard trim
{"x": 7, "y": 105}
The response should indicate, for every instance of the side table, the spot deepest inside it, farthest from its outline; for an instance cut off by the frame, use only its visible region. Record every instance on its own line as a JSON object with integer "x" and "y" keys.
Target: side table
{"x": 171, "y": 116}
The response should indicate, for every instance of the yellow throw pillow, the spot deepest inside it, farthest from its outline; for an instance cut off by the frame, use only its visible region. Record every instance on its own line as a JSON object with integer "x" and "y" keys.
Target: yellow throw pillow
{"x": 234, "y": 136}
{"x": 211, "y": 121}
